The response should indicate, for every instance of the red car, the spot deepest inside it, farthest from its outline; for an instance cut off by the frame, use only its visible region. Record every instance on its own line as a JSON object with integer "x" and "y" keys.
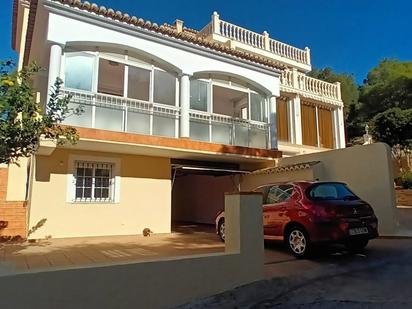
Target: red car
{"x": 306, "y": 213}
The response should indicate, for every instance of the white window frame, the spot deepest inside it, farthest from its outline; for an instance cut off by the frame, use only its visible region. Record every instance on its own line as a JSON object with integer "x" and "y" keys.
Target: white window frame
{"x": 71, "y": 178}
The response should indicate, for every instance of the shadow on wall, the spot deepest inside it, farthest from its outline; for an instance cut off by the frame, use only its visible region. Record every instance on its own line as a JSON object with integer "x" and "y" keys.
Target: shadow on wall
{"x": 132, "y": 166}
{"x": 36, "y": 226}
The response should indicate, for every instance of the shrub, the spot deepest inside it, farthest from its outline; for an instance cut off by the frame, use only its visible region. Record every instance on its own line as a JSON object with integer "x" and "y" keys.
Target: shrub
{"x": 407, "y": 180}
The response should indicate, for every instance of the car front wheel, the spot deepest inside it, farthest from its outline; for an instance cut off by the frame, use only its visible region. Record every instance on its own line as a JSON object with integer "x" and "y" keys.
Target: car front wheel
{"x": 221, "y": 229}
{"x": 298, "y": 242}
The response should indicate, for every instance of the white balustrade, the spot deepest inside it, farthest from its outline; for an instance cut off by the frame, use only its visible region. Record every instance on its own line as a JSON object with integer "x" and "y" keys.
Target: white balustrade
{"x": 309, "y": 84}
{"x": 255, "y": 39}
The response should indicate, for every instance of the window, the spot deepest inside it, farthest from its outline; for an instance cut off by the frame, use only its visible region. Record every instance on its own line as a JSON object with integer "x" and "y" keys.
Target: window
{"x": 331, "y": 191}
{"x": 164, "y": 88}
{"x": 111, "y": 77}
{"x": 79, "y": 72}
{"x": 138, "y": 84}
{"x": 278, "y": 194}
{"x": 257, "y": 107}
{"x": 94, "y": 182}
{"x": 198, "y": 95}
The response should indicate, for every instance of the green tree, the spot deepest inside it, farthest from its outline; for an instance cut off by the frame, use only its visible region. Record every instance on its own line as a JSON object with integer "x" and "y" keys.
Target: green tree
{"x": 22, "y": 121}
{"x": 394, "y": 127}
{"x": 387, "y": 85}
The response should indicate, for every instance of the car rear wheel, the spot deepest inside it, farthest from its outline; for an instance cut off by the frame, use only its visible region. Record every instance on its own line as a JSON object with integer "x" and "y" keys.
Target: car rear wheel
{"x": 298, "y": 242}
{"x": 356, "y": 245}
{"x": 221, "y": 229}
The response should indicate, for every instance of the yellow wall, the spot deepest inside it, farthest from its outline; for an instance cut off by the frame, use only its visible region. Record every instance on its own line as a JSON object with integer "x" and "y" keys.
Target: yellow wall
{"x": 16, "y": 189}
{"x": 145, "y": 198}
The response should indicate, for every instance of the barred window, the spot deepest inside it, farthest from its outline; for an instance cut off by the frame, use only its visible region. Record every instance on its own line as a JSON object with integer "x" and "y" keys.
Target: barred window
{"x": 94, "y": 182}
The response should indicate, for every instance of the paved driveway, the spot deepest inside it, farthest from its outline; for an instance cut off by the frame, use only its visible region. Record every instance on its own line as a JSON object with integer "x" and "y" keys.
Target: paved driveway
{"x": 381, "y": 277}
{"x": 85, "y": 251}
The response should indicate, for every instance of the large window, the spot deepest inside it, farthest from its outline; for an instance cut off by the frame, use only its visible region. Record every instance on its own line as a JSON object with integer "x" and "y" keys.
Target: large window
{"x": 138, "y": 86}
{"x": 79, "y": 71}
{"x": 111, "y": 77}
{"x": 94, "y": 182}
{"x": 257, "y": 107}
{"x": 198, "y": 95}
{"x": 115, "y": 74}
{"x": 164, "y": 88}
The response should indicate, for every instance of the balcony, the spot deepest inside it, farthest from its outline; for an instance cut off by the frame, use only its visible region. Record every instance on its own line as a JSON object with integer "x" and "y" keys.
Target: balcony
{"x": 115, "y": 113}
{"x": 293, "y": 81}
{"x": 261, "y": 44}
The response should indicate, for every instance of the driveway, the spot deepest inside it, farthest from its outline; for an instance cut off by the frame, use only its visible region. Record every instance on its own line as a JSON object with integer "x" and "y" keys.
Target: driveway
{"x": 381, "y": 277}
{"x": 48, "y": 254}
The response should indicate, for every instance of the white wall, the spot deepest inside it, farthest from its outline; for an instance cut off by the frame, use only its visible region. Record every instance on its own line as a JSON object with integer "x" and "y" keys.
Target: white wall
{"x": 183, "y": 58}
{"x": 368, "y": 170}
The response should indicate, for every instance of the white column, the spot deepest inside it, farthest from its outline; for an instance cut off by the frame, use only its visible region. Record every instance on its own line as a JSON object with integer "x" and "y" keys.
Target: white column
{"x": 215, "y": 23}
{"x": 272, "y": 123}
{"x": 341, "y": 128}
{"x": 291, "y": 120}
{"x": 297, "y": 120}
{"x": 54, "y": 65}
{"x": 184, "y": 106}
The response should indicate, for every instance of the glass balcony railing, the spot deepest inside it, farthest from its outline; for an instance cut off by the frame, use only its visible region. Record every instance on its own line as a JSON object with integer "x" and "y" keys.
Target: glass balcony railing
{"x": 108, "y": 112}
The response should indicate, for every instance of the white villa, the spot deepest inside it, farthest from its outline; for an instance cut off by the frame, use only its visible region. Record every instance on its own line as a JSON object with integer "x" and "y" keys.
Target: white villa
{"x": 166, "y": 110}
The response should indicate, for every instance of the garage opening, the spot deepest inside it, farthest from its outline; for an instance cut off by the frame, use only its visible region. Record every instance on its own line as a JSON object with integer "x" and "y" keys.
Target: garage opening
{"x": 198, "y": 190}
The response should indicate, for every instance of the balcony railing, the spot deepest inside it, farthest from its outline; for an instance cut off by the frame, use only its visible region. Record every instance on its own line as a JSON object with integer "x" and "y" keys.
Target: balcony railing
{"x": 294, "y": 80}
{"x": 222, "y": 129}
{"x": 116, "y": 113}
{"x": 256, "y": 40}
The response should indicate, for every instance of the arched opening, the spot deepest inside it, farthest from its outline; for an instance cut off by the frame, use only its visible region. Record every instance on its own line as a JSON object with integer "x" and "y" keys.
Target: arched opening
{"x": 121, "y": 89}
{"x": 237, "y": 110}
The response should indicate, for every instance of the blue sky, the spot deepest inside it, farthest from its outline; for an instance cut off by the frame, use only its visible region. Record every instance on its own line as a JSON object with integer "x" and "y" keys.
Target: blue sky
{"x": 348, "y": 35}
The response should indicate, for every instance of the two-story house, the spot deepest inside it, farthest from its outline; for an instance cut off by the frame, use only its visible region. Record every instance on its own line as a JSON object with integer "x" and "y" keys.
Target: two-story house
{"x": 159, "y": 102}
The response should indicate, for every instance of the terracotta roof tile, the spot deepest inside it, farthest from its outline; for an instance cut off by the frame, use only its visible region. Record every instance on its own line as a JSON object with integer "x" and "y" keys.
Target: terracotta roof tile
{"x": 286, "y": 168}
{"x": 188, "y": 35}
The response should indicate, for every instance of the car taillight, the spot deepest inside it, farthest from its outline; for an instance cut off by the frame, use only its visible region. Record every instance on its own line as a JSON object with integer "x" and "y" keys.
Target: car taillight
{"x": 324, "y": 212}
{"x": 374, "y": 225}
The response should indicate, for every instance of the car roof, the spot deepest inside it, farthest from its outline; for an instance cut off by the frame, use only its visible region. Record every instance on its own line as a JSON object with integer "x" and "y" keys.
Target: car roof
{"x": 304, "y": 183}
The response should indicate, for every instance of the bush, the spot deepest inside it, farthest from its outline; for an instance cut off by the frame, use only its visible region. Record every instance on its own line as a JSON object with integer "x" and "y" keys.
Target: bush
{"x": 406, "y": 180}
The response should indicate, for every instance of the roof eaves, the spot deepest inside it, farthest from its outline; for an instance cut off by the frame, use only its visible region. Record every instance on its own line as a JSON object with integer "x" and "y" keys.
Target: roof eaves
{"x": 14, "y": 23}
{"x": 188, "y": 35}
{"x": 30, "y": 29}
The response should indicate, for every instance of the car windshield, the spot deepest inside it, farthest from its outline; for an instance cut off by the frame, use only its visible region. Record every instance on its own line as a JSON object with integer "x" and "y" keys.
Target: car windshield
{"x": 330, "y": 191}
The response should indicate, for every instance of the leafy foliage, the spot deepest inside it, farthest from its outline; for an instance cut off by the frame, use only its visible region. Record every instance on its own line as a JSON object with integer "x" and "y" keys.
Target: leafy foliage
{"x": 394, "y": 127}
{"x": 388, "y": 85}
{"x": 22, "y": 121}
{"x": 406, "y": 180}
